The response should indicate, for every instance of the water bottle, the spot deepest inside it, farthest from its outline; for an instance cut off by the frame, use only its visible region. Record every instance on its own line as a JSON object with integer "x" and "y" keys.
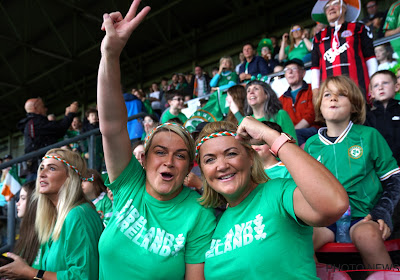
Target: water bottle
{"x": 343, "y": 228}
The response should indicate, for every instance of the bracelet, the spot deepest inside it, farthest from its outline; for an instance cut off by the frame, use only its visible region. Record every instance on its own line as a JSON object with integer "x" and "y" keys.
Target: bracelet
{"x": 39, "y": 275}
{"x": 279, "y": 142}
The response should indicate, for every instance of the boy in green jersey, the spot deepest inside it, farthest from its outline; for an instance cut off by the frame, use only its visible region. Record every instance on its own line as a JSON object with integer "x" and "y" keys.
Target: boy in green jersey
{"x": 362, "y": 161}
{"x": 175, "y": 100}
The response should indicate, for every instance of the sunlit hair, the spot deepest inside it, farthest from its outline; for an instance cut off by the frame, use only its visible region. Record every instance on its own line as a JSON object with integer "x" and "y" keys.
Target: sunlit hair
{"x": 177, "y": 129}
{"x": 271, "y": 106}
{"x": 50, "y": 218}
{"x": 229, "y": 59}
{"x": 353, "y": 93}
{"x": 27, "y": 244}
{"x": 292, "y": 41}
{"x": 98, "y": 182}
{"x": 238, "y": 94}
{"x": 210, "y": 197}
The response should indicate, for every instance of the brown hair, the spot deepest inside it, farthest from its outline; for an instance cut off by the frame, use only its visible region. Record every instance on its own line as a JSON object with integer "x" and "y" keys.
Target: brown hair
{"x": 238, "y": 94}
{"x": 351, "y": 90}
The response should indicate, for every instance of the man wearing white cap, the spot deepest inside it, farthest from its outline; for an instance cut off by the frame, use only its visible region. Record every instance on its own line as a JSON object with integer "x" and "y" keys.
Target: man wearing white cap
{"x": 344, "y": 47}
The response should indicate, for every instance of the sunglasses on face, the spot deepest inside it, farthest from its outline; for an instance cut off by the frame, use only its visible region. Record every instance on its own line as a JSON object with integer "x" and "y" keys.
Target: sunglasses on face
{"x": 295, "y": 29}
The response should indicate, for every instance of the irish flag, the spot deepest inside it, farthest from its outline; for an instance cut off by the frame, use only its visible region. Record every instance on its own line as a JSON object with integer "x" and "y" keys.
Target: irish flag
{"x": 353, "y": 10}
{"x": 11, "y": 184}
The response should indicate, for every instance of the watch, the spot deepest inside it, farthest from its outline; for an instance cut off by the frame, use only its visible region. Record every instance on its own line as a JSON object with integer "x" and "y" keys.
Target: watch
{"x": 280, "y": 141}
{"x": 39, "y": 275}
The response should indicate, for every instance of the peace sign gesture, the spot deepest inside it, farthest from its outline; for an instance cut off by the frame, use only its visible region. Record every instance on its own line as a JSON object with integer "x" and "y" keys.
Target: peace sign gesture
{"x": 119, "y": 29}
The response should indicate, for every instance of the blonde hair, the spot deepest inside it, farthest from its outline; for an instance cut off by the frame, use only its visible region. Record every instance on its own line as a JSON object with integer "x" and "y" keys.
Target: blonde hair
{"x": 50, "y": 218}
{"x": 292, "y": 40}
{"x": 210, "y": 197}
{"x": 227, "y": 58}
{"x": 351, "y": 90}
{"x": 180, "y": 131}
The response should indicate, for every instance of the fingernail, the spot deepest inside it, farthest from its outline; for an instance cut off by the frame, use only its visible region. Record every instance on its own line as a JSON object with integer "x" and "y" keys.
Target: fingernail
{"x": 105, "y": 16}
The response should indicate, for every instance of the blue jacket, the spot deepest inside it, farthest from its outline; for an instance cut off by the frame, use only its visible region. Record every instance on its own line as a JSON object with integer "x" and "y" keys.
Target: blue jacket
{"x": 134, "y": 106}
{"x": 257, "y": 65}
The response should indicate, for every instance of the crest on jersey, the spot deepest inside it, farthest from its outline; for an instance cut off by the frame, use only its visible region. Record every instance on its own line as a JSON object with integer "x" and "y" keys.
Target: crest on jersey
{"x": 347, "y": 33}
{"x": 355, "y": 151}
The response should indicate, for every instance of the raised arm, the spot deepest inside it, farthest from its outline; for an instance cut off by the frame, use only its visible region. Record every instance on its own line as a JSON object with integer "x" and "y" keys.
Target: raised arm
{"x": 319, "y": 199}
{"x": 111, "y": 105}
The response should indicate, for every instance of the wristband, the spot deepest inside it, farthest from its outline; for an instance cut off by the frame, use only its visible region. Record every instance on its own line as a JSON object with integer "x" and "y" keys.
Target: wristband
{"x": 39, "y": 275}
{"x": 279, "y": 142}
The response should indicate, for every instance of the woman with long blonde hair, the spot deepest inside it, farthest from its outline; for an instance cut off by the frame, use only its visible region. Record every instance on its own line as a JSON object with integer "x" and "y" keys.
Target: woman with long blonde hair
{"x": 295, "y": 44}
{"x": 67, "y": 224}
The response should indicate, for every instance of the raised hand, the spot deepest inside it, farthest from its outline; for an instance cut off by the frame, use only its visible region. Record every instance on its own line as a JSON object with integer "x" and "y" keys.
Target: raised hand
{"x": 119, "y": 29}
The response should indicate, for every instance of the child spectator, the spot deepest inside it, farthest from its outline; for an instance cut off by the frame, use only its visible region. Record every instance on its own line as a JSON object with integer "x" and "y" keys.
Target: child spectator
{"x": 146, "y": 102}
{"x": 273, "y": 167}
{"x": 361, "y": 160}
{"x": 93, "y": 123}
{"x": 226, "y": 77}
{"x": 149, "y": 123}
{"x": 73, "y": 131}
{"x": 385, "y": 115}
{"x": 384, "y": 55}
{"x": 96, "y": 192}
{"x": 175, "y": 100}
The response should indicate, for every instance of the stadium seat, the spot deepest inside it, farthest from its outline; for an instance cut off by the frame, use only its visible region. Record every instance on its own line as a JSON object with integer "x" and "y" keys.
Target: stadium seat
{"x": 391, "y": 245}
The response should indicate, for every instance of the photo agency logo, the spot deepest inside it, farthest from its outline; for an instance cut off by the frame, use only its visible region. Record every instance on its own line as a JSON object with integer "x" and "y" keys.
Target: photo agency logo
{"x": 361, "y": 267}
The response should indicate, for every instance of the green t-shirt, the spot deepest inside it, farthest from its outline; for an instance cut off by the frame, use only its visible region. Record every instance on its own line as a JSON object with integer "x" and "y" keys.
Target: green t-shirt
{"x": 298, "y": 52}
{"x": 360, "y": 159}
{"x": 74, "y": 255}
{"x": 392, "y": 22}
{"x": 167, "y": 115}
{"x": 151, "y": 239}
{"x": 278, "y": 170}
{"x": 104, "y": 207}
{"x": 261, "y": 238}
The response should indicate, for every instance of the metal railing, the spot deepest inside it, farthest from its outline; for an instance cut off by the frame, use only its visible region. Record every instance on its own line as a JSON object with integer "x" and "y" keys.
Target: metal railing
{"x": 11, "y": 215}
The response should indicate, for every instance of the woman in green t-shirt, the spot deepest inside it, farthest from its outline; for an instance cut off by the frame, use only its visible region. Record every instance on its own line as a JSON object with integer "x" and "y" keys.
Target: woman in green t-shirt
{"x": 67, "y": 224}
{"x": 159, "y": 230}
{"x": 295, "y": 44}
{"x": 265, "y": 232}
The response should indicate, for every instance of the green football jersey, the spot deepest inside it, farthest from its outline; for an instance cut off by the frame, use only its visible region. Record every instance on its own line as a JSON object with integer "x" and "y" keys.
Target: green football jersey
{"x": 360, "y": 159}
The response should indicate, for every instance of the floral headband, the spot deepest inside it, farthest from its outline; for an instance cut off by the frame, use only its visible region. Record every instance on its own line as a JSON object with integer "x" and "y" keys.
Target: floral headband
{"x": 91, "y": 179}
{"x": 164, "y": 125}
{"x": 211, "y": 136}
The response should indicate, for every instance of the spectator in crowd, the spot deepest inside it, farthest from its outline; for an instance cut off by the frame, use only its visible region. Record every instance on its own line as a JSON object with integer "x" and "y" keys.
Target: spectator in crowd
{"x": 214, "y": 71}
{"x": 151, "y": 198}
{"x": 138, "y": 150}
{"x": 142, "y": 97}
{"x": 384, "y": 55}
{"x": 344, "y": 47}
{"x": 155, "y": 98}
{"x": 374, "y": 19}
{"x": 362, "y": 161}
{"x": 149, "y": 123}
{"x": 189, "y": 77}
{"x": 278, "y": 68}
{"x": 253, "y": 65}
{"x": 392, "y": 25}
{"x": 297, "y": 101}
{"x": 39, "y": 132}
{"x": 93, "y": 123}
{"x": 73, "y": 131}
{"x": 174, "y": 82}
{"x": 295, "y": 44}
{"x": 226, "y": 77}
{"x": 96, "y": 192}
{"x": 235, "y": 99}
{"x": 263, "y": 105}
{"x": 135, "y": 106}
{"x": 275, "y": 47}
{"x": 273, "y": 167}
{"x": 164, "y": 84}
{"x": 384, "y": 116}
{"x": 264, "y": 49}
{"x": 241, "y": 59}
{"x": 200, "y": 84}
{"x": 175, "y": 101}
{"x": 316, "y": 29}
{"x": 271, "y": 215}
{"x": 68, "y": 226}
{"x": 27, "y": 245}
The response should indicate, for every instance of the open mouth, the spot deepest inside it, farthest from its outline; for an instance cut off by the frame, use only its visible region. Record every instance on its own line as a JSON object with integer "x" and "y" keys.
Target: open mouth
{"x": 166, "y": 176}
